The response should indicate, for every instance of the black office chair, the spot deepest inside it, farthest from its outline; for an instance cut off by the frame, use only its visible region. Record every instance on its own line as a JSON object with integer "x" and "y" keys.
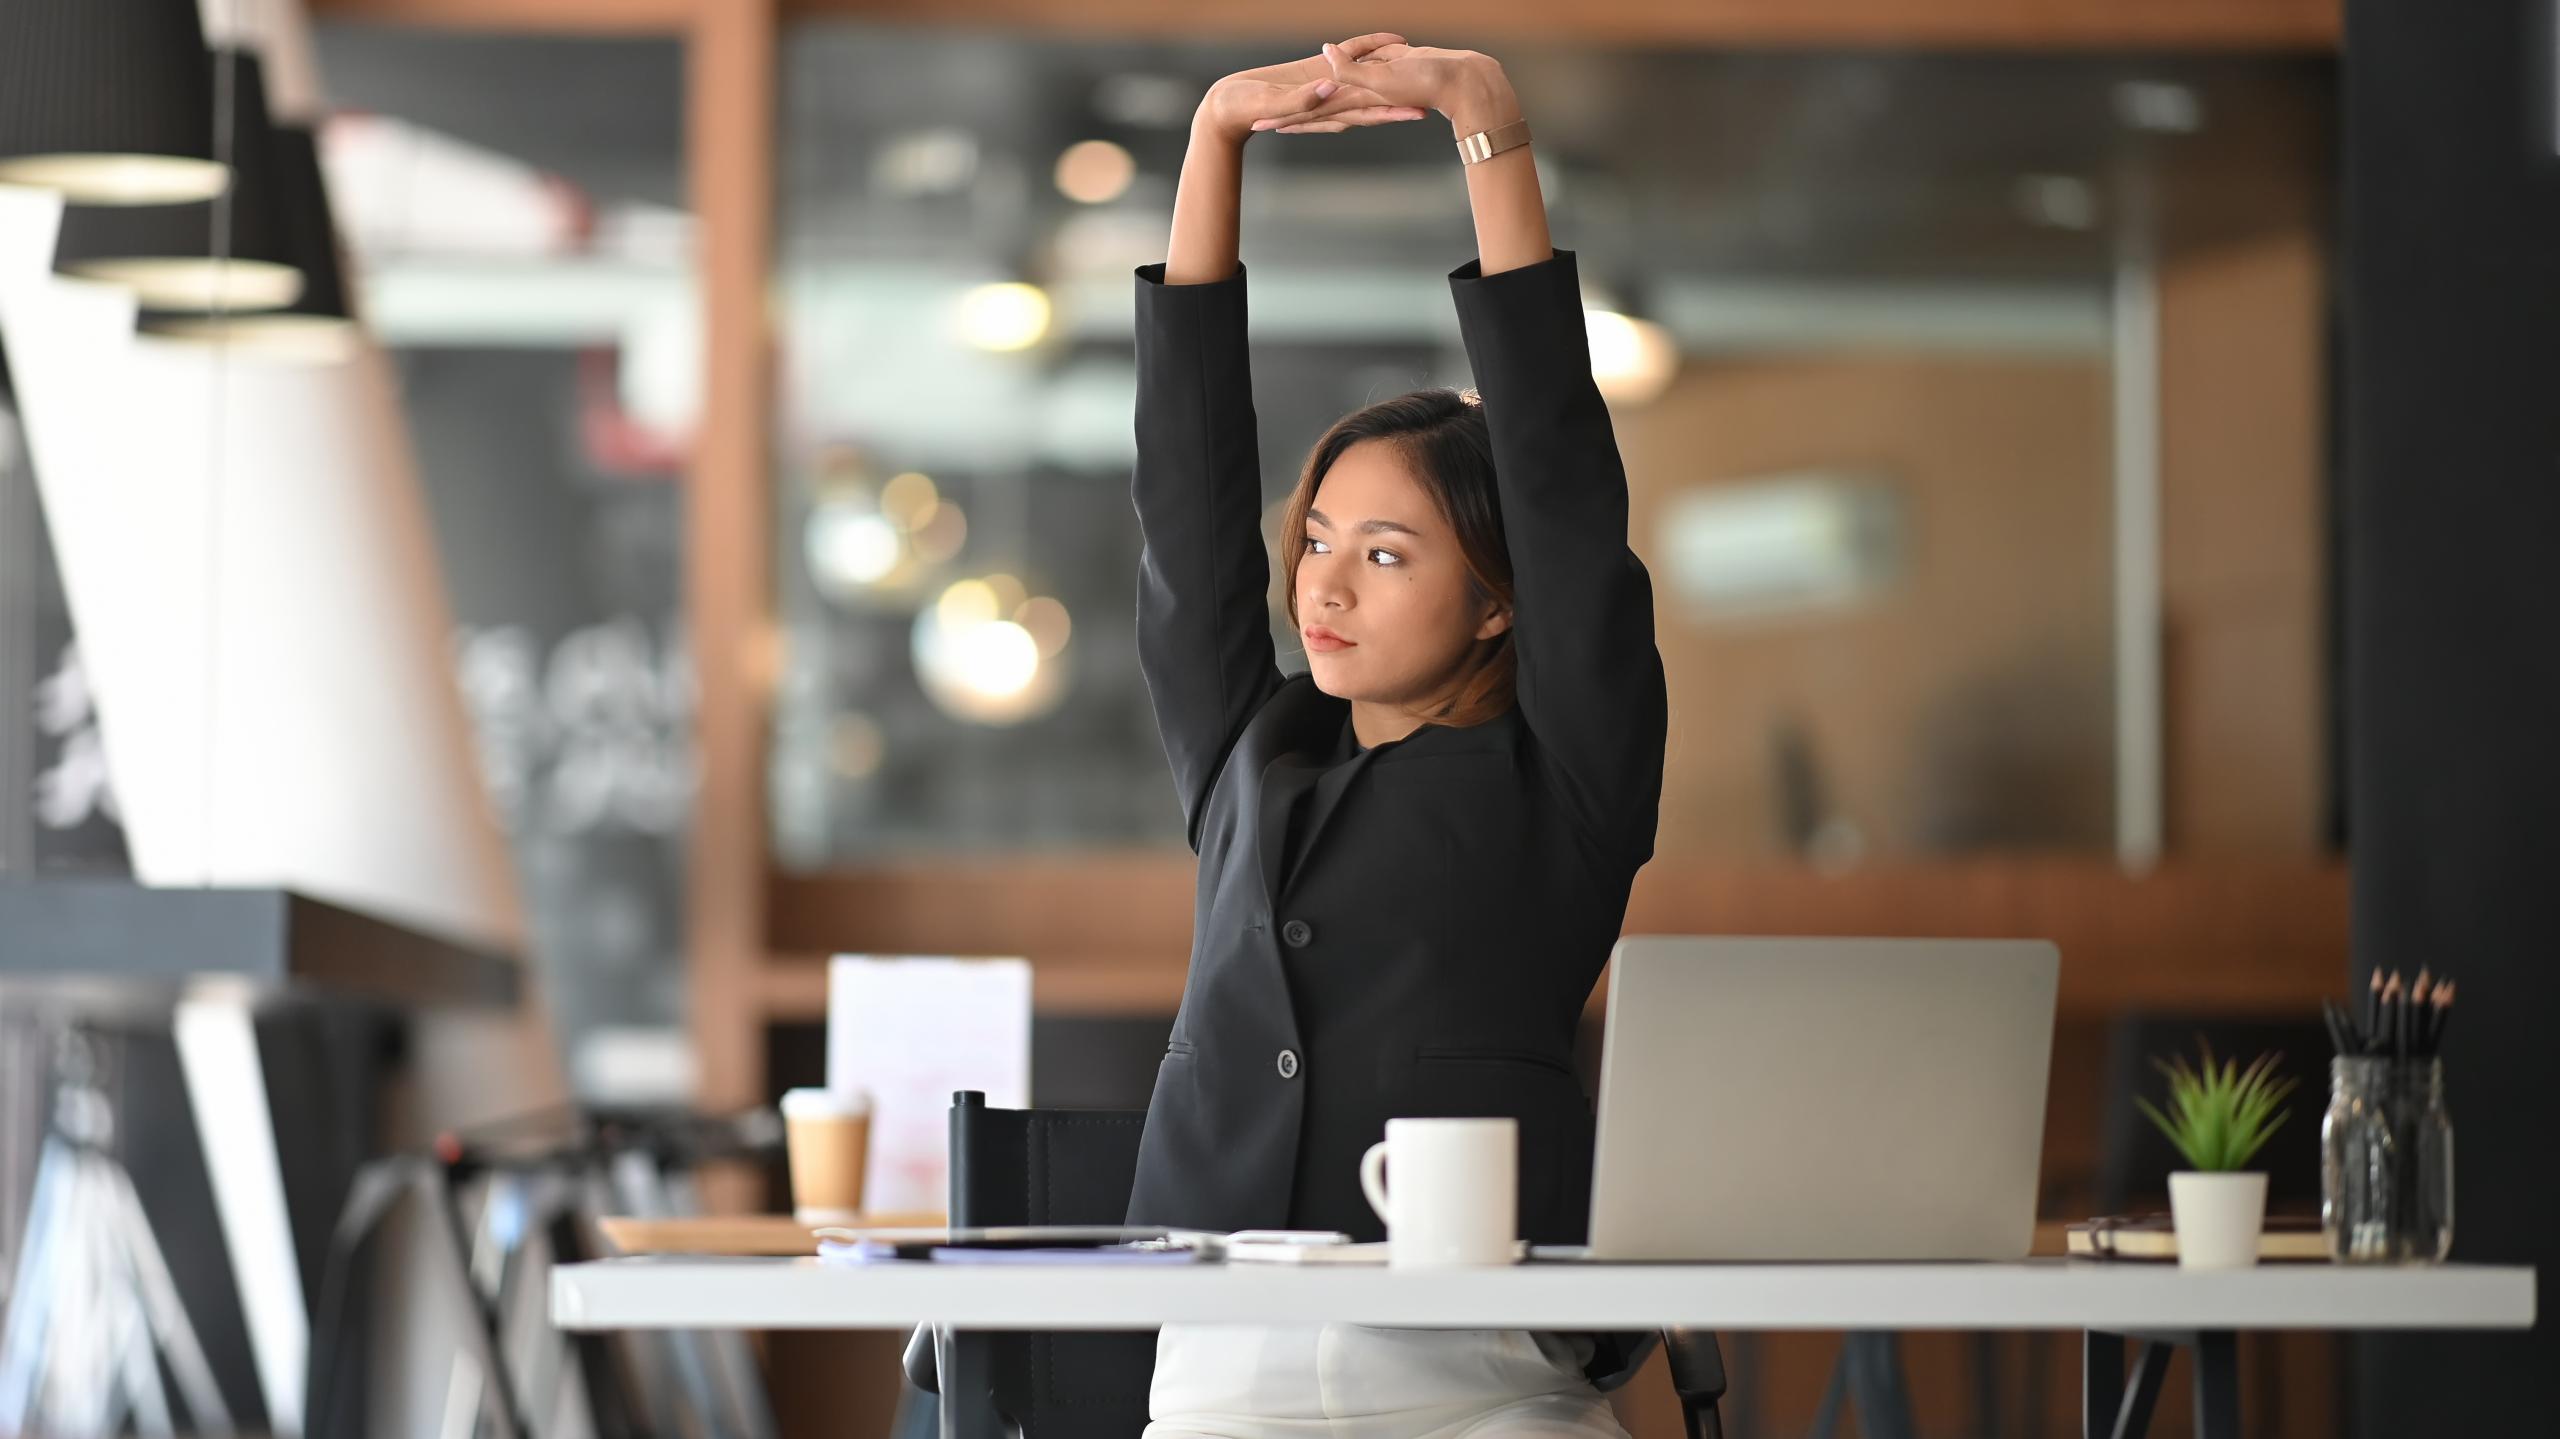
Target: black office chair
{"x": 1075, "y": 1166}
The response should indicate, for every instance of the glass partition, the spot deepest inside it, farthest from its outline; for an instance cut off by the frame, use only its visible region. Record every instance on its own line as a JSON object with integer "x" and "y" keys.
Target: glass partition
{"x": 1888, "y": 339}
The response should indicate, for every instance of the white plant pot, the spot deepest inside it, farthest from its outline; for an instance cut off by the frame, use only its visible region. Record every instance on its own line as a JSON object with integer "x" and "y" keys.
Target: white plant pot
{"x": 2218, "y": 1218}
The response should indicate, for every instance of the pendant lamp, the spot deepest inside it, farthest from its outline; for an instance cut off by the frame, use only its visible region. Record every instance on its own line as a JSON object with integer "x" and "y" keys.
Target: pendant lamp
{"x": 319, "y": 325}
{"x": 108, "y": 101}
{"x": 167, "y": 254}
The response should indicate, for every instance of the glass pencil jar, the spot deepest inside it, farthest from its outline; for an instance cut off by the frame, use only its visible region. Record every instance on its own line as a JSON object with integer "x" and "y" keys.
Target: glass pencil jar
{"x": 2359, "y": 1161}
{"x": 2386, "y": 1162}
{"x": 2423, "y": 1132}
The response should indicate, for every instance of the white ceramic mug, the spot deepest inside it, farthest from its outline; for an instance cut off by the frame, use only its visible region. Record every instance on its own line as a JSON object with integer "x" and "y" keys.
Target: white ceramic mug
{"x": 1455, "y": 1197}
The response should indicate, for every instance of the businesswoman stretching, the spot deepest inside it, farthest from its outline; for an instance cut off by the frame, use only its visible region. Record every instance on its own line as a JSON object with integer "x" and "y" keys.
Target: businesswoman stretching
{"x": 1415, "y": 857}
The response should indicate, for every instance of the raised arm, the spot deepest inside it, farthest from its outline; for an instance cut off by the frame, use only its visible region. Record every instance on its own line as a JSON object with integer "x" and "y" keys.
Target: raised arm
{"x": 1204, "y": 633}
{"x": 1590, "y": 679}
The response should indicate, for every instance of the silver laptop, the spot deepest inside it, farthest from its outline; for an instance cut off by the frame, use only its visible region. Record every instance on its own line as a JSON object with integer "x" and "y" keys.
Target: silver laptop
{"x": 1822, "y": 1099}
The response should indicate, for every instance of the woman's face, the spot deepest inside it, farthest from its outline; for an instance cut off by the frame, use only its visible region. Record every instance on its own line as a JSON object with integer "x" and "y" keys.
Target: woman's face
{"x": 1383, "y": 574}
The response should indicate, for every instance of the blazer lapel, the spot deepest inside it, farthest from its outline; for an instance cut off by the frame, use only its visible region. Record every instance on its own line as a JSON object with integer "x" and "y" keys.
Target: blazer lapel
{"x": 1292, "y": 778}
{"x": 1279, "y": 791}
{"x": 1289, "y": 781}
{"x": 1321, "y": 803}
{"x": 1301, "y": 777}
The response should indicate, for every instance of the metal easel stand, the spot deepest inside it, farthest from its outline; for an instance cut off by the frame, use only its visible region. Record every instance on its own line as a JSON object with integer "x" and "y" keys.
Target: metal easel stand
{"x": 93, "y": 1311}
{"x": 519, "y": 1377}
{"x": 705, "y": 1383}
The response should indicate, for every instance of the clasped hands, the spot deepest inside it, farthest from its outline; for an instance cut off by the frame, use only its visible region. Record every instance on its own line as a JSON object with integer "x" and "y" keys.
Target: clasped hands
{"x": 1368, "y": 80}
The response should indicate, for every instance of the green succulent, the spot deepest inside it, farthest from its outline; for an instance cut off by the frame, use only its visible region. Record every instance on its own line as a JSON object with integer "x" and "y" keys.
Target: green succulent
{"x": 2221, "y": 1115}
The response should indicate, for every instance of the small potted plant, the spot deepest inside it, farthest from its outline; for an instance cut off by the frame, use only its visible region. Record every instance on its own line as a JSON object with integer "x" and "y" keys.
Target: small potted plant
{"x": 2220, "y": 1116}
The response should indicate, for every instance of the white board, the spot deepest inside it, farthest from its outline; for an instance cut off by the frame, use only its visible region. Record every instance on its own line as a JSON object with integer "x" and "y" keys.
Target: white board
{"x": 909, "y": 1030}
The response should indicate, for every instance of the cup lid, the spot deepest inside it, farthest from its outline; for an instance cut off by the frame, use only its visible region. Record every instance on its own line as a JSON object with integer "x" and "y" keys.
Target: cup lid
{"x": 821, "y": 1103}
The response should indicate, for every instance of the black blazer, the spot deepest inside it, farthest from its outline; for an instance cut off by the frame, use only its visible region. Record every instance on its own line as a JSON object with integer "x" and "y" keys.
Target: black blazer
{"x": 1426, "y": 945}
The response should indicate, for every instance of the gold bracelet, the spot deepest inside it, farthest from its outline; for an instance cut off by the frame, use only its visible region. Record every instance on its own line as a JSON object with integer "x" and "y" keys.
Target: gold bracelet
{"x": 1483, "y": 145}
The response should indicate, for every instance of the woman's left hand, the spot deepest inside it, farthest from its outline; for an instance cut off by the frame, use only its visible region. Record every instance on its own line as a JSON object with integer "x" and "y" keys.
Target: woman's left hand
{"x": 1303, "y": 94}
{"x": 1468, "y": 86}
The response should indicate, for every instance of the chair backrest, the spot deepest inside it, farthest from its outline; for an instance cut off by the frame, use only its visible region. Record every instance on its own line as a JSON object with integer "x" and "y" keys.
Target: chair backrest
{"x": 1046, "y": 1166}
{"x": 1040, "y": 1166}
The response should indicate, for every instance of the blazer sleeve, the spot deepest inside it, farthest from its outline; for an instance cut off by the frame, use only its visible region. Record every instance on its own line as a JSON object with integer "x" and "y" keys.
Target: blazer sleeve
{"x": 1590, "y": 682}
{"x": 1204, "y": 628}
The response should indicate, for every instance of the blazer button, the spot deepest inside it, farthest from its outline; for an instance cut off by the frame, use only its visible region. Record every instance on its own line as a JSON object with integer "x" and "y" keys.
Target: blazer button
{"x": 1288, "y": 1064}
{"x": 1298, "y": 933}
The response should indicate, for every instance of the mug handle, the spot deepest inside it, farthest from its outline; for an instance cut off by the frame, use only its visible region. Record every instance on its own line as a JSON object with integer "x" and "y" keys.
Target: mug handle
{"x": 1373, "y": 1179}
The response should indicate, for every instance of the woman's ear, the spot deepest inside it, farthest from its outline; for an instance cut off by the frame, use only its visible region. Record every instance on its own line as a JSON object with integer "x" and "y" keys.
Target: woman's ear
{"x": 1497, "y": 619}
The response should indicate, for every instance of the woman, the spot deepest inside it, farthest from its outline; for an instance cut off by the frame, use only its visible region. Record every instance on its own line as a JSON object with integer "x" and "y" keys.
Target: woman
{"x": 1415, "y": 857}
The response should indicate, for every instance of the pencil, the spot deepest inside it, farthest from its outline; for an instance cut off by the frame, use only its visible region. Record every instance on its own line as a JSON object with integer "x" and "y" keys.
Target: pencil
{"x": 2373, "y": 1011}
{"x": 2395, "y": 1017}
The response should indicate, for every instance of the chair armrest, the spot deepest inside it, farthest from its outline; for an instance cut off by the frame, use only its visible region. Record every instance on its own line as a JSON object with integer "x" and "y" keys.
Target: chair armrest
{"x": 1697, "y": 1363}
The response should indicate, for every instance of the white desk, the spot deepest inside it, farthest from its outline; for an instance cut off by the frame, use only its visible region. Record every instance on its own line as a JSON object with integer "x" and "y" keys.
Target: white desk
{"x": 682, "y": 1292}
{"x": 2161, "y": 1306}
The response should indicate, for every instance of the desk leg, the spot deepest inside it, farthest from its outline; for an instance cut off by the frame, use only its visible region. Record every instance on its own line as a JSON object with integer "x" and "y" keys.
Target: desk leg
{"x": 1885, "y": 1406}
{"x": 2150, "y": 1367}
{"x": 947, "y": 1413}
{"x": 2217, "y": 1361}
{"x": 965, "y": 1383}
{"x": 1990, "y": 1417}
{"x": 2101, "y": 1383}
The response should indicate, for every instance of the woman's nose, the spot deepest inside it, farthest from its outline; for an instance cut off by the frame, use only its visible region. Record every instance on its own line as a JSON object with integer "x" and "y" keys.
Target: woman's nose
{"x": 1327, "y": 592}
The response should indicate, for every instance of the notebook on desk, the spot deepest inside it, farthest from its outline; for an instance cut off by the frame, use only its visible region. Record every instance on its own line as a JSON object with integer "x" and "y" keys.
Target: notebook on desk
{"x": 2154, "y": 1238}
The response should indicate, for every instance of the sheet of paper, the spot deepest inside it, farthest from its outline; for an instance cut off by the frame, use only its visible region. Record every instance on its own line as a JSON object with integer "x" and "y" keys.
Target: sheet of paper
{"x": 909, "y": 1030}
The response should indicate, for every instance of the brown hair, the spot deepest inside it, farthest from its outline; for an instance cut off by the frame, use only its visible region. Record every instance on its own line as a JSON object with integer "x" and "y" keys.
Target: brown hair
{"x": 1442, "y": 432}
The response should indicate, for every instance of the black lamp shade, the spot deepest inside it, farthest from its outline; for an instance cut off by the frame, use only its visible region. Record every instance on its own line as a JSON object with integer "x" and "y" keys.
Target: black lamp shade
{"x": 319, "y": 326}
{"x": 108, "y": 101}
{"x": 310, "y": 226}
{"x": 168, "y": 255}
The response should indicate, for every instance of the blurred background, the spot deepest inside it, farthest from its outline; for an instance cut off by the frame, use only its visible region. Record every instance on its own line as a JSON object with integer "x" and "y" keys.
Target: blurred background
{"x": 686, "y": 535}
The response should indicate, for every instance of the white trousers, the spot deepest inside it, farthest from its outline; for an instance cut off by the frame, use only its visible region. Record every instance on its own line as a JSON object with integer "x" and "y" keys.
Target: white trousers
{"x": 1353, "y": 1381}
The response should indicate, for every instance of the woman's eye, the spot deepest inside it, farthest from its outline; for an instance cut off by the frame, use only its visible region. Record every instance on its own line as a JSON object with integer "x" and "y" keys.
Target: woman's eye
{"x": 1392, "y": 558}
{"x": 1315, "y": 546}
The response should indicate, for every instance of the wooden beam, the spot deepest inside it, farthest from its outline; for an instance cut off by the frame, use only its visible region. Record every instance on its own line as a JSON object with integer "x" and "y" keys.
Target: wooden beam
{"x": 729, "y": 78}
{"x": 568, "y": 17}
{"x": 2211, "y": 24}
{"x": 1112, "y": 934}
{"x": 2216, "y": 24}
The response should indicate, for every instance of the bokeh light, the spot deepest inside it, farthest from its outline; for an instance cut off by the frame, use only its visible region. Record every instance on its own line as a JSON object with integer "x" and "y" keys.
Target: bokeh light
{"x": 938, "y": 540}
{"x": 851, "y": 546}
{"x": 1046, "y": 621}
{"x": 1095, "y": 172}
{"x": 909, "y": 500}
{"x": 1632, "y": 360}
{"x": 1005, "y": 316}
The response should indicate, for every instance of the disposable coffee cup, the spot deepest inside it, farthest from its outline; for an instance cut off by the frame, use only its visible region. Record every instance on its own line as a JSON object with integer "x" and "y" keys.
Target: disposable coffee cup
{"x": 829, "y": 1136}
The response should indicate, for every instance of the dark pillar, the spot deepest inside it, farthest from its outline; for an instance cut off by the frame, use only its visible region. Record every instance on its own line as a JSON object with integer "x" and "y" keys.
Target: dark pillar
{"x": 2452, "y": 425}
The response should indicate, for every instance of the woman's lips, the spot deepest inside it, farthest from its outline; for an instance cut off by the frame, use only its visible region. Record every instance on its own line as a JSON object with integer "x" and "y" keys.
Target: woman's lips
{"x": 1325, "y": 641}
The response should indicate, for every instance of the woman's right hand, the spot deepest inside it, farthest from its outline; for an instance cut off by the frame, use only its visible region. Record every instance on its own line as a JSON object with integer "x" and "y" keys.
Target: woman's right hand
{"x": 1304, "y": 89}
